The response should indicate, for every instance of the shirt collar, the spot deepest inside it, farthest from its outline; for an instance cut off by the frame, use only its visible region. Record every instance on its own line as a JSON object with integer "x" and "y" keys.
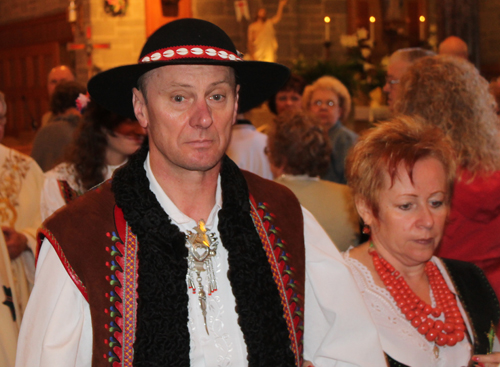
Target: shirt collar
{"x": 171, "y": 209}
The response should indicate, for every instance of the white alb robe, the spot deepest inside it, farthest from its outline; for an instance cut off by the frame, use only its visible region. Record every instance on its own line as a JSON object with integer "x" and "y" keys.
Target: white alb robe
{"x": 21, "y": 181}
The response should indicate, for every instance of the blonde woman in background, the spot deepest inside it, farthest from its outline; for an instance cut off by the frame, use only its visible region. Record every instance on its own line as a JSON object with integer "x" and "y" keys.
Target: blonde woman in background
{"x": 329, "y": 100}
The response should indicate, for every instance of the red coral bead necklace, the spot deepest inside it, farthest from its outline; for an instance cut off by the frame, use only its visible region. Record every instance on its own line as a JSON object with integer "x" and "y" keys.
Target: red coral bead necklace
{"x": 418, "y": 312}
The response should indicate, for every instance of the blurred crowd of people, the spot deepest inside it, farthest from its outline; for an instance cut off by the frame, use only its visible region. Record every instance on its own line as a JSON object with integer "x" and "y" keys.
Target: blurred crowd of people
{"x": 413, "y": 202}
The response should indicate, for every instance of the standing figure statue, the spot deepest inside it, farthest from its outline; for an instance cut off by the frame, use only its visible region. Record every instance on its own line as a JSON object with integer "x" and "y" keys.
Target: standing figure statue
{"x": 262, "y": 43}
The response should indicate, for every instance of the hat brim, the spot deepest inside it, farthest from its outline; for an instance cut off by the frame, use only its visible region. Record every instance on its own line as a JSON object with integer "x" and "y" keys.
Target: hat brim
{"x": 258, "y": 82}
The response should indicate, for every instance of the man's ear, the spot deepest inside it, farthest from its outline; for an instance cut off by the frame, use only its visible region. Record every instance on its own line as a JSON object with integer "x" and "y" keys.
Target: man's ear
{"x": 140, "y": 110}
{"x": 364, "y": 210}
{"x": 236, "y": 103}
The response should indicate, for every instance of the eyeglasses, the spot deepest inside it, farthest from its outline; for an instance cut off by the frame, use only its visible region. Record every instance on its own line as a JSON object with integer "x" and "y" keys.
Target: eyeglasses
{"x": 391, "y": 81}
{"x": 329, "y": 103}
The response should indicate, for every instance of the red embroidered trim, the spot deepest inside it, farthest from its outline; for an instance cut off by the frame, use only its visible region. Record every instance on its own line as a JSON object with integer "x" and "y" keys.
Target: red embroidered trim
{"x": 67, "y": 193}
{"x": 191, "y": 51}
{"x": 43, "y": 232}
{"x": 123, "y": 295}
{"x": 283, "y": 276}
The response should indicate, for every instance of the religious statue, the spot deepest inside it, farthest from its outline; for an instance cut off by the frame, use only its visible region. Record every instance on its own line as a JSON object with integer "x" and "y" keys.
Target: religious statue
{"x": 262, "y": 43}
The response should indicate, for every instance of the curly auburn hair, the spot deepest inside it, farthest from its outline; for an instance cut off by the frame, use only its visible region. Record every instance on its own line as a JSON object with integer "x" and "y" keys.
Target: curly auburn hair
{"x": 65, "y": 95}
{"x": 448, "y": 92}
{"x": 382, "y": 149}
{"x": 298, "y": 142}
{"x": 87, "y": 152}
{"x": 334, "y": 85}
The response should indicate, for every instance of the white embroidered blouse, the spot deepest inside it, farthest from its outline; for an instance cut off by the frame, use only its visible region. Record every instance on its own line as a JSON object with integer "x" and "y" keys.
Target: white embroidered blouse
{"x": 52, "y": 198}
{"x": 399, "y": 338}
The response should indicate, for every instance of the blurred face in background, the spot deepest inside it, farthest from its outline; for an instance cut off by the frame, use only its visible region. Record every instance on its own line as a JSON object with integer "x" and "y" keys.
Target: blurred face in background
{"x": 288, "y": 100}
{"x": 125, "y": 139}
{"x": 57, "y": 75}
{"x": 325, "y": 104}
{"x": 392, "y": 86}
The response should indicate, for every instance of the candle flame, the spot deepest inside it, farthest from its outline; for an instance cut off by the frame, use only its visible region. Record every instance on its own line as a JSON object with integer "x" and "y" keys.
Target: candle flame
{"x": 372, "y": 19}
{"x": 327, "y": 19}
{"x": 422, "y": 18}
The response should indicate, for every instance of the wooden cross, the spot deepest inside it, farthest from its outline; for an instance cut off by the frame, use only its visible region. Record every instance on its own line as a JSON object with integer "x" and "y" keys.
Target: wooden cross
{"x": 88, "y": 47}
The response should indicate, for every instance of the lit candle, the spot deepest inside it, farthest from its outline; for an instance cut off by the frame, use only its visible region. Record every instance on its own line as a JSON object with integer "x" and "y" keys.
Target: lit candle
{"x": 327, "y": 29}
{"x": 421, "y": 33}
{"x": 372, "y": 28}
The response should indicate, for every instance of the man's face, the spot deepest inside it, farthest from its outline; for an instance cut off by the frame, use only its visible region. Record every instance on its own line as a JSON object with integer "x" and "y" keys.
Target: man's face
{"x": 392, "y": 86}
{"x": 57, "y": 75}
{"x": 188, "y": 115}
{"x": 262, "y": 14}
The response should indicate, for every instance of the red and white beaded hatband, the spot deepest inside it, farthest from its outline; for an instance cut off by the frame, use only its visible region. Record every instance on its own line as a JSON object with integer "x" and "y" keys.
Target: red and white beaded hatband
{"x": 183, "y": 52}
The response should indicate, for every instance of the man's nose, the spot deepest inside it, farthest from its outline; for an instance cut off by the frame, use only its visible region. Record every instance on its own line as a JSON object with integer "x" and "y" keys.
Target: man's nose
{"x": 202, "y": 117}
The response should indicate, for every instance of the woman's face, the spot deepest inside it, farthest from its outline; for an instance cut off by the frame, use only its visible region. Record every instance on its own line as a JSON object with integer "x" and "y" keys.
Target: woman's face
{"x": 126, "y": 138}
{"x": 288, "y": 100}
{"x": 411, "y": 216}
{"x": 325, "y": 105}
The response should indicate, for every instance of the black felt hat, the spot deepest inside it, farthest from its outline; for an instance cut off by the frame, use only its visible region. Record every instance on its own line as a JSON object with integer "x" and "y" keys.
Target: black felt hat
{"x": 188, "y": 41}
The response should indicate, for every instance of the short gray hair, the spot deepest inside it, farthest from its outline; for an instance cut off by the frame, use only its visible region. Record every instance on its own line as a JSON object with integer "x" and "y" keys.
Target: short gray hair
{"x": 411, "y": 54}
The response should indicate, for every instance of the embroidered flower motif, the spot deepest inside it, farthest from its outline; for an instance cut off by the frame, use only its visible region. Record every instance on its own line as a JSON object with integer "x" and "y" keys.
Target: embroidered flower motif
{"x": 14, "y": 170}
{"x": 283, "y": 273}
{"x": 82, "y": 101}
{"x": 115, "y": 309}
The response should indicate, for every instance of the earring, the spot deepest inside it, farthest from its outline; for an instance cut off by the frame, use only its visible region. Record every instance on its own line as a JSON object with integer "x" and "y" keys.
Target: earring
{"x": 366, "y": 229}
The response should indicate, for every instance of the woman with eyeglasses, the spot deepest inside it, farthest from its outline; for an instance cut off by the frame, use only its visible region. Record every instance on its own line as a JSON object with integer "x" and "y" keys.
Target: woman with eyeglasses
{"x": 102, "y": 143}
{"x": 329, "y": 100}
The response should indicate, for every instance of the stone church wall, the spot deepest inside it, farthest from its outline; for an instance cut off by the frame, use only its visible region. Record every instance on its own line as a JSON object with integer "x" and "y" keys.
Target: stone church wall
{"x": 300, "y": 32}
{"x": 489, "y": 13}
{"x": 17, "y": 10}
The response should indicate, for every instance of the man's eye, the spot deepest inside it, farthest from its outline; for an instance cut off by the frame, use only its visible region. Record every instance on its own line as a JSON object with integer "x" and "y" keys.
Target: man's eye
{"x": 217, "y": 97}
{"x": 178, "y": 98}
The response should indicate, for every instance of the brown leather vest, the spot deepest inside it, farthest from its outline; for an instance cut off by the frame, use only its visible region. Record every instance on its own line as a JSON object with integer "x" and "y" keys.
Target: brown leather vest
{"x": 99, "y": 252}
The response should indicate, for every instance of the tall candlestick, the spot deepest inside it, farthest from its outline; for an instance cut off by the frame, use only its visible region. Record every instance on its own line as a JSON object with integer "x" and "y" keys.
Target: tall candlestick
{"x": 327, "y": 29}
{"x": 421, "y": 33}
{"x": 372, "y": 29}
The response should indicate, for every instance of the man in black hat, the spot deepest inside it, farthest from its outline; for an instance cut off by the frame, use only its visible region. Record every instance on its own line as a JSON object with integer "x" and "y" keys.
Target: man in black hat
{"x": 183, "y": 259}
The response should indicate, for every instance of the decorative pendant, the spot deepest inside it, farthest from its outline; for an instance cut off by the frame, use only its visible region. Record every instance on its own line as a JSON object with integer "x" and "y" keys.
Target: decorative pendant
{"x": 202, "y": 247}
{"x": 436, "y": 351}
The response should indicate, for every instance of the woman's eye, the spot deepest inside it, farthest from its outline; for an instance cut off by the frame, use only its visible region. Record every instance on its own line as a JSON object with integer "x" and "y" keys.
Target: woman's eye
{"x": 405, "y": 206}
{"x": 436, "y": 203}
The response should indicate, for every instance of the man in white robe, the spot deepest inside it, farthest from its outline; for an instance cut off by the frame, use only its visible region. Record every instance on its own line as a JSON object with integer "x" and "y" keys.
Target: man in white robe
{"x": 21, "y": 181}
